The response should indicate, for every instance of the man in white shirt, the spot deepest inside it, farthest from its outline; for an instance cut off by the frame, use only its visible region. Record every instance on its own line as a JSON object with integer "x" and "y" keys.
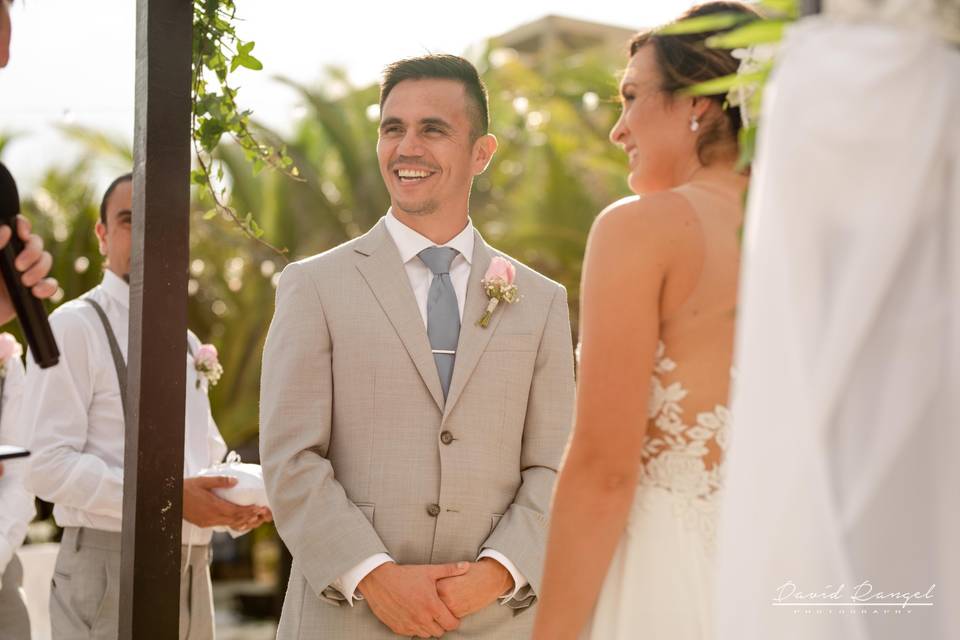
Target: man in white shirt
{"x": 76, "y": 414}
{"x": 409, "y": 453}
{"x": 33, "y": 261}
{"x": 16, "y": 502}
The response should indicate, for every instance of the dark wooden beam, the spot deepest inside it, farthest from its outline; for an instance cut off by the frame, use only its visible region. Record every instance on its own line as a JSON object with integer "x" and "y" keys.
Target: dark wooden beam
{"x": 153, "y": 457}
{"x": 810, "y": 7}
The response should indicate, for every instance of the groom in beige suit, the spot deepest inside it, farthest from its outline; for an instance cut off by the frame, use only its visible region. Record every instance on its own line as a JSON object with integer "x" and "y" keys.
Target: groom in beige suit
{"x": 409, "y": 454}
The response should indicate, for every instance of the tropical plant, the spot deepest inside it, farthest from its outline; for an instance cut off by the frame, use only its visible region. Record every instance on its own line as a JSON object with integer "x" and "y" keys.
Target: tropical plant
{"x": 217, "y": 52}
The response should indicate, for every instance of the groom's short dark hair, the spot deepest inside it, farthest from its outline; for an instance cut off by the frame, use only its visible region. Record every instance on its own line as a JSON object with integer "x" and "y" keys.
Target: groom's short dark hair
{"x": 444, "y": 67}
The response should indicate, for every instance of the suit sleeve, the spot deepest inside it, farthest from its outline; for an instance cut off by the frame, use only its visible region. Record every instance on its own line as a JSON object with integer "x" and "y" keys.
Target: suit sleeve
{"x": 324, "y": 530}
{"x": 521, "y": 534}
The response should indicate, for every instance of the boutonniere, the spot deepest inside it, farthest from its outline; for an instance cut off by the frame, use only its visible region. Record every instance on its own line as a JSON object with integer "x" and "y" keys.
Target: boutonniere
{"x": 208, "y": 365}
{"x": 9, "y": 349}
{"x": 499, "y": 287}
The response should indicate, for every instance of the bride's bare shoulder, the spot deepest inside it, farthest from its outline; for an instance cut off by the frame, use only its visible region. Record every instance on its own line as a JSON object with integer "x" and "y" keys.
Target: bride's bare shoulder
{"x": 658, "y": 223}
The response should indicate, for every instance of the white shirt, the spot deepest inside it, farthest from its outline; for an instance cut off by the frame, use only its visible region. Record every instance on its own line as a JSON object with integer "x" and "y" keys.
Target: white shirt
{"x": 410, "y": 244}
{"x": 76, "y": 416}
{"x": 16, "y": 502}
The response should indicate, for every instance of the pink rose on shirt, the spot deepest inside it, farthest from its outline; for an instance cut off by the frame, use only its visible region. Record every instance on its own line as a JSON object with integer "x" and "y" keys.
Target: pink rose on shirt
{"x": 499, "y": 287}
{"x": 207, "y": 354}
{"x": 208, "y": 365}
{"x": 9, "y": 348}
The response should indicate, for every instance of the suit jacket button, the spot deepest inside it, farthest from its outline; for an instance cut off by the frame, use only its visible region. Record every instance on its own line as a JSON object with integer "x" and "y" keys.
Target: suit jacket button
{"x": 446, "y": 437}
{"x": 433, "y": 510}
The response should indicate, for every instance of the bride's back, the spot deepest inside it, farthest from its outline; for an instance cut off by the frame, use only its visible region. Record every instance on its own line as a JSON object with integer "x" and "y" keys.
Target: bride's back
{"x": 691, "y": 378}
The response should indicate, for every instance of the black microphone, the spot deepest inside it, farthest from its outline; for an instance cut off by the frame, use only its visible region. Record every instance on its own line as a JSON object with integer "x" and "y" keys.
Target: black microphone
{"x": 30, "y": 311}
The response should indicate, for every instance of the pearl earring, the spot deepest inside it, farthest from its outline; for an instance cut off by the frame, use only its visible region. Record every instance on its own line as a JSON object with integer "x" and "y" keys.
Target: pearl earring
{"x": 694, "y": 123}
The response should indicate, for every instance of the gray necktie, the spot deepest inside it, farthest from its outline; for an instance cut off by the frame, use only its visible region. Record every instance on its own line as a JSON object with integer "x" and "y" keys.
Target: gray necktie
{"x": 443, "y": 313}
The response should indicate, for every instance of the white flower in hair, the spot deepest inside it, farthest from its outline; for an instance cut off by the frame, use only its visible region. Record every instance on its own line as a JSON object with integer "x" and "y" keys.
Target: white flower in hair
{"x": 753, "y": 60}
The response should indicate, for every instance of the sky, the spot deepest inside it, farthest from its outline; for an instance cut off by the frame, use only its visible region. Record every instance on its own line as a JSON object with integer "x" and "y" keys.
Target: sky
{"x": 73, "y": 62}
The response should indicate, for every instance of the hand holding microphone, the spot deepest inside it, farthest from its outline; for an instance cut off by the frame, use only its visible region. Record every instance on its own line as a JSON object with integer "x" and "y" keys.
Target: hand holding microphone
{"x": 24, "y": 266}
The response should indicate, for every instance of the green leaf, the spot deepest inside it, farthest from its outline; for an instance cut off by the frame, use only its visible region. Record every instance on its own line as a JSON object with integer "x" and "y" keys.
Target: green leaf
{"x": 216, "y": 62}
{"x": 757, "y": 32}
{"x": 786, "y": 8}
{"x": 723, "y": 84}
{"x": 748, "y": 141}
{"x": 247, "y": 61}
{"x": 210, "y": 215}
{"x": 209, "y": 133}
{"x": 700, "y": 24}
{"x": 244, "y": 59}
{"x": 250, "y": 62}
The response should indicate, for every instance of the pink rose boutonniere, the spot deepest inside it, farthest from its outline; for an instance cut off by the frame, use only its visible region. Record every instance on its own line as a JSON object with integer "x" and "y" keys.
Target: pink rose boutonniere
{"x": 499, "y": 287}
{"x": 208, "y": 365}
{"x": 9, "y": 348}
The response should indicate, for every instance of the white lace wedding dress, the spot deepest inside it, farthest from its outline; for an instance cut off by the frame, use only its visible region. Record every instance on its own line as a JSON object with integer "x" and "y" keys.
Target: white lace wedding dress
{"x": 660, "y": 581}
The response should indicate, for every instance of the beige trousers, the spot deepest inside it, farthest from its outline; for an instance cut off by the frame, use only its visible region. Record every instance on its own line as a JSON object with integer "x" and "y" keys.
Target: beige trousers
{"x": 14, "y": 621}
{"x": 85, "y": 593}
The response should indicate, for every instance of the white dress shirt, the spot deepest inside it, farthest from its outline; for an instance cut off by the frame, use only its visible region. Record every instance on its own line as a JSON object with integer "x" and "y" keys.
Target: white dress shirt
{"x": 76, "y": 416}
{"x": 410, "y": 243}
{"x": 16, "y": 502}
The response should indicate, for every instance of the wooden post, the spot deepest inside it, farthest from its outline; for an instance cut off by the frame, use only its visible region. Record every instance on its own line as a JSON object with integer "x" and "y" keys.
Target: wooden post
{"x": 153, "y": 457}
{"x": 810, "y": 7}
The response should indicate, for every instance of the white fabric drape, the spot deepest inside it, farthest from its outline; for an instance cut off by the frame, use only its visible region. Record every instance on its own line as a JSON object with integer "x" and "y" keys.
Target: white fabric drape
{"x": 846, "y": 431}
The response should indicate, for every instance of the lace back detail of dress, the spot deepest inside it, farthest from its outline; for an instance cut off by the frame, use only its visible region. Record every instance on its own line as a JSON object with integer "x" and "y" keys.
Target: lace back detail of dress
{"x": 685, "y": 459}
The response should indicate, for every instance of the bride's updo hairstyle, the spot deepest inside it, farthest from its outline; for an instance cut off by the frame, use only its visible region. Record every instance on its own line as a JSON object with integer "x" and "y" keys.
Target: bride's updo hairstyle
{"x": 683, "y": 60}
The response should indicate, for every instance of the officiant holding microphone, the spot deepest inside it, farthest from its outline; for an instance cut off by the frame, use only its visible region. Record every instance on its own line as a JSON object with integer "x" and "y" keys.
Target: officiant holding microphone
{"x": 34, "y": 264}
{"x": 76, "y": 413}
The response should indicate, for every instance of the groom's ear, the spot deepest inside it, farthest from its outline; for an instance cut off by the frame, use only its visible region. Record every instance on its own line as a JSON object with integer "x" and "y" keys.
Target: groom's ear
{"x": 483, "y": 149}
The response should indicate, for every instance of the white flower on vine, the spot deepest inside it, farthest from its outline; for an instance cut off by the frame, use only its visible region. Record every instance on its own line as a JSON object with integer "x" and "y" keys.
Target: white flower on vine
{"x": 752, "y": 59}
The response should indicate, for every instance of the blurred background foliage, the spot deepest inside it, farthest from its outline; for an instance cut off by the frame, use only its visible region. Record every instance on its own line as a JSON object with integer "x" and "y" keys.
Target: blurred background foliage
{"x": 554, "y": 171}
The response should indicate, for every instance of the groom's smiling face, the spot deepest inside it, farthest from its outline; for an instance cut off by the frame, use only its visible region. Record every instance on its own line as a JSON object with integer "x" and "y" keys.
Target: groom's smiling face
{"x": 427, "y": 150}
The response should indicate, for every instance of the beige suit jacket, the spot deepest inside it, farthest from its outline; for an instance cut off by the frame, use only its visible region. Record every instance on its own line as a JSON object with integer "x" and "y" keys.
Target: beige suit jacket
{"x": 352, "y": 417}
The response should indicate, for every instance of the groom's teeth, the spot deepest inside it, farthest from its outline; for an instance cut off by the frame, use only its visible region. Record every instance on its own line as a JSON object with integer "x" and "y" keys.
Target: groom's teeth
{"x": 410, "y": 173}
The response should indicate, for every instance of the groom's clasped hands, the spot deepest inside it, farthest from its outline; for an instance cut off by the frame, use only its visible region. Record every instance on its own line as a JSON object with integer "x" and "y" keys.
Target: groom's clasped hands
{"x": 428, "y": 600}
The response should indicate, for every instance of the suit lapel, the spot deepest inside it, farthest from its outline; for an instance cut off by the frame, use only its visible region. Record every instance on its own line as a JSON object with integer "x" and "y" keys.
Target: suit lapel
{"x": 473, "y": 338}
{"x": 384, "y": 272}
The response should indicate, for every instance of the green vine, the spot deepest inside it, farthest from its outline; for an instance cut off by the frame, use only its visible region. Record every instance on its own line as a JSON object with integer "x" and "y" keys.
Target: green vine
{"x": 218, "y": 52}
{"x": 757, "y": 39}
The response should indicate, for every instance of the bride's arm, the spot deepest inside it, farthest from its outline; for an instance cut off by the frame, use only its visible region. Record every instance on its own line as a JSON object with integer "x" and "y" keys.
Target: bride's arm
{"x": 627, "y": 260}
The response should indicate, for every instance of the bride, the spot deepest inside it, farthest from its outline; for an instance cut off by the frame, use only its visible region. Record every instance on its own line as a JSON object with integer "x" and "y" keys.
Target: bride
{"x": 634, "y": 515}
